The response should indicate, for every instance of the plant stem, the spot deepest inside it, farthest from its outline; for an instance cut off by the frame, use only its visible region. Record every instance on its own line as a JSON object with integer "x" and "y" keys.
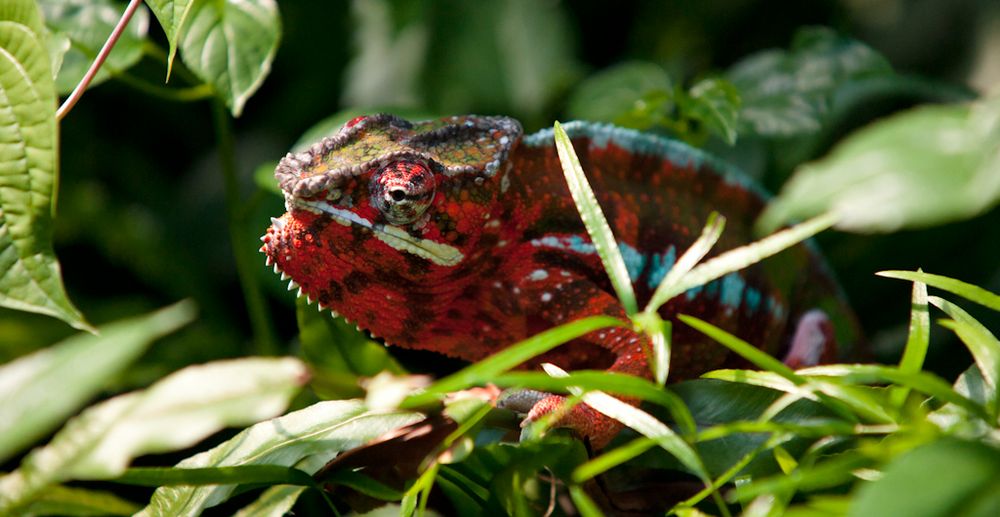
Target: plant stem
{"x": 260, "y": 319}
{"x": 102, "y": 56}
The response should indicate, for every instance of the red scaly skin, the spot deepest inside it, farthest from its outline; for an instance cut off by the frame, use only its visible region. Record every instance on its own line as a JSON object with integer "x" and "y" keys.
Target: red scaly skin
{"x": 455, "y": 236}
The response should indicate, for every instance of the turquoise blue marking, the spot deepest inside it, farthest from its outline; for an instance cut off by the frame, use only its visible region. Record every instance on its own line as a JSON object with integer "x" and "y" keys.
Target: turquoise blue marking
{"x": 732, "y": 290}
{"x": 659, "y": 265}
{"x": 690, "y": 294}
{"x": 634, "y": 260}
{"x": 752, "y": 299}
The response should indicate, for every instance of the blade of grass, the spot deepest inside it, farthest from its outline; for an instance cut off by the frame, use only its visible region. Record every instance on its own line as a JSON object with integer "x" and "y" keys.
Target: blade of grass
{"x": 244, "y": 474}
{"x": 617, "y": 383}
{"x": 709, "y": 236}
{"x": 584, "y": 504}
{"x": 594, "y": 220}
{"x": 924, "y": 382}
{"x": 916, "y": 342}
{"x": 739, "y": 258}
{"x": 983, "y": 345}
{"x": 486, "y": 370}
{"x": 640, "y": 421}
{"x": 965, "y": 290}
{"x": 611, "y": 459}
{"x": 745, "y": 350}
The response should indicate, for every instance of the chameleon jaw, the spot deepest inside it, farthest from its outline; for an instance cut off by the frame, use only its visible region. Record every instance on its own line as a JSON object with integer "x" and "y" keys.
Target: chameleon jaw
{"x": 394, "y": 236}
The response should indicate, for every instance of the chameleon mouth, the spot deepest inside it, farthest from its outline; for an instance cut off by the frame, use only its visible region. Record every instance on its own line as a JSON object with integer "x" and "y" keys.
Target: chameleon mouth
{"x": 394, "y": 236}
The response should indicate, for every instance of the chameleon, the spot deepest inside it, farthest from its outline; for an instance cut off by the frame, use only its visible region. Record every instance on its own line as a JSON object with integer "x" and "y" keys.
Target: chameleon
{"x": 459, "y": 236}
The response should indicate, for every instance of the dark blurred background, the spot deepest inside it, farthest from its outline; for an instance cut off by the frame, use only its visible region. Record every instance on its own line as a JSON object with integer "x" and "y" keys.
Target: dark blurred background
{"x": 141, "y": 216}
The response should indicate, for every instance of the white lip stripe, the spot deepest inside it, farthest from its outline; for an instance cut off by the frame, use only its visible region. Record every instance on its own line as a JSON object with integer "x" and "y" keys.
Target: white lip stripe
{"x": 441, "y": 254}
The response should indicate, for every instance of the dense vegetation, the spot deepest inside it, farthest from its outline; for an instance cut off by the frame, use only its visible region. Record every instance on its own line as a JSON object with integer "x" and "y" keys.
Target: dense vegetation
{"x": 177, "y": 347}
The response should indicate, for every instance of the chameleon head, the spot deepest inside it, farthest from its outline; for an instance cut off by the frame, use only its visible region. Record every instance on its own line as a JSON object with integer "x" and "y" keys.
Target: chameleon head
{"x": 386, "y": 201}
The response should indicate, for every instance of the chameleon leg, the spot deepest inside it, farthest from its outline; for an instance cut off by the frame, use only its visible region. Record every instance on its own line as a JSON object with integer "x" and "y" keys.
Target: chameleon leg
{"x": 813, "y": 342}
{"x": 557, "y": 296}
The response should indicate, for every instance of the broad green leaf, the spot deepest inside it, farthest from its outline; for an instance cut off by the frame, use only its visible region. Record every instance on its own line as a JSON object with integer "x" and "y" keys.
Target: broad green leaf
{"x": 172, "y": 14}
{"x": 594, "y": 220}
{"x": 965, "y": 290}
{"x": 29, "y": 273}
{"x": 324, "y": 429}
{"x": 623, "y": 94}
{"x": 243, "y": 474}
{"x": 715, "y": 103}
{"x": 917, "y": 341}
{"x": 61, "y": 500}
{"x": 78, "y": 368}
{"x": 87, "y": 24}
{"x": 925, "y": 166}
{"x": 787, "y": 93}
{"x": 944, "y": 478}
{"x": 176, "y": 412}
{"x": 486, "y": 370}
{"x": 230, "y": 44}
{"x": 278, "y": 500}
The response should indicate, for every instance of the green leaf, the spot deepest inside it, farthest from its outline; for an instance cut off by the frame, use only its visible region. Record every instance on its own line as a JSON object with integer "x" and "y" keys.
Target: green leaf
{"x": 172, "y": 14}
{"x": 965, "y": 290}
{"x": 244, "y": 474}
{"x": 922, "y": 167}
{"x": 788, "y": 93}
{"x": 230, "y": 44}
{"x": 325, "y": 429}
{"x": 486, "y": 370}
{"x": 622, "y": 94}
{"x": 276, "y": 501}
{"x": 594, "y": 220}
{"x": 917, "y": 341}
{"x": 79, "y": 368}
{"x": 29, "y": 273}
{"x": 745, "y": 350}
{"x": 101, "y": 442}
{"x": 715, "y": 103}
{"x": 944, "y": 478}
{"x": 584, "y": 504}
{"x": 61, "y": 500}
{"x": 612, "y": 458}
{"x": 830, "y": 473}
{"x": 87, "y": 24}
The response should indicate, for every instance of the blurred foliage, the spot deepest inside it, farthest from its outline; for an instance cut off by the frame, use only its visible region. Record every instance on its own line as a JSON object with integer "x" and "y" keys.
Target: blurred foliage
{"x": 142, "y": 218}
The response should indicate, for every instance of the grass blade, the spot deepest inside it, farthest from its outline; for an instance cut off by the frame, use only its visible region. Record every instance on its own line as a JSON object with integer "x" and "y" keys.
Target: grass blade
{"x": 739, "y": 258}
{"x": 916, "y": 342}
{"x": 667, "y": 289}
{"x": 484, "y": 371}
{"x": 641, "y": 422}
{"x": 611, "y": 459}
{"x": 745, "y": 350}
{"x": 965, "y": 290}
{"x": 983, "y": 345}
{"x": 594, "y": 220}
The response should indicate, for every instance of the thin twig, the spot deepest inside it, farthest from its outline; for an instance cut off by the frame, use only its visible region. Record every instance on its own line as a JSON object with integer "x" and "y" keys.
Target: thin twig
{"x": 102, "y": 56}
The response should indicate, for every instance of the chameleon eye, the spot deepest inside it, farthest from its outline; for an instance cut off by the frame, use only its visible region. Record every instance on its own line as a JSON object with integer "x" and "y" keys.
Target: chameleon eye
{"x": 402, "y": 191}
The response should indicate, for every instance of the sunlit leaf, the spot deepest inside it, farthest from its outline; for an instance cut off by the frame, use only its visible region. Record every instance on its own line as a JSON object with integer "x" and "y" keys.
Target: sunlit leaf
{"x": 983, "y": 345}
{"x": 324, "y": 429}
{"x": 80, "y": 366}
{"x": 66, "y": 501}
{"x": 925, "y": 166}
{"x": 702, "y": 245}
{"x": 30, "y": 279}
{"x": 715, "y": 103}
{"x": 87, "y": 24}
{"x": 230, "y": 44}
{"x": 101, "y": 442}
